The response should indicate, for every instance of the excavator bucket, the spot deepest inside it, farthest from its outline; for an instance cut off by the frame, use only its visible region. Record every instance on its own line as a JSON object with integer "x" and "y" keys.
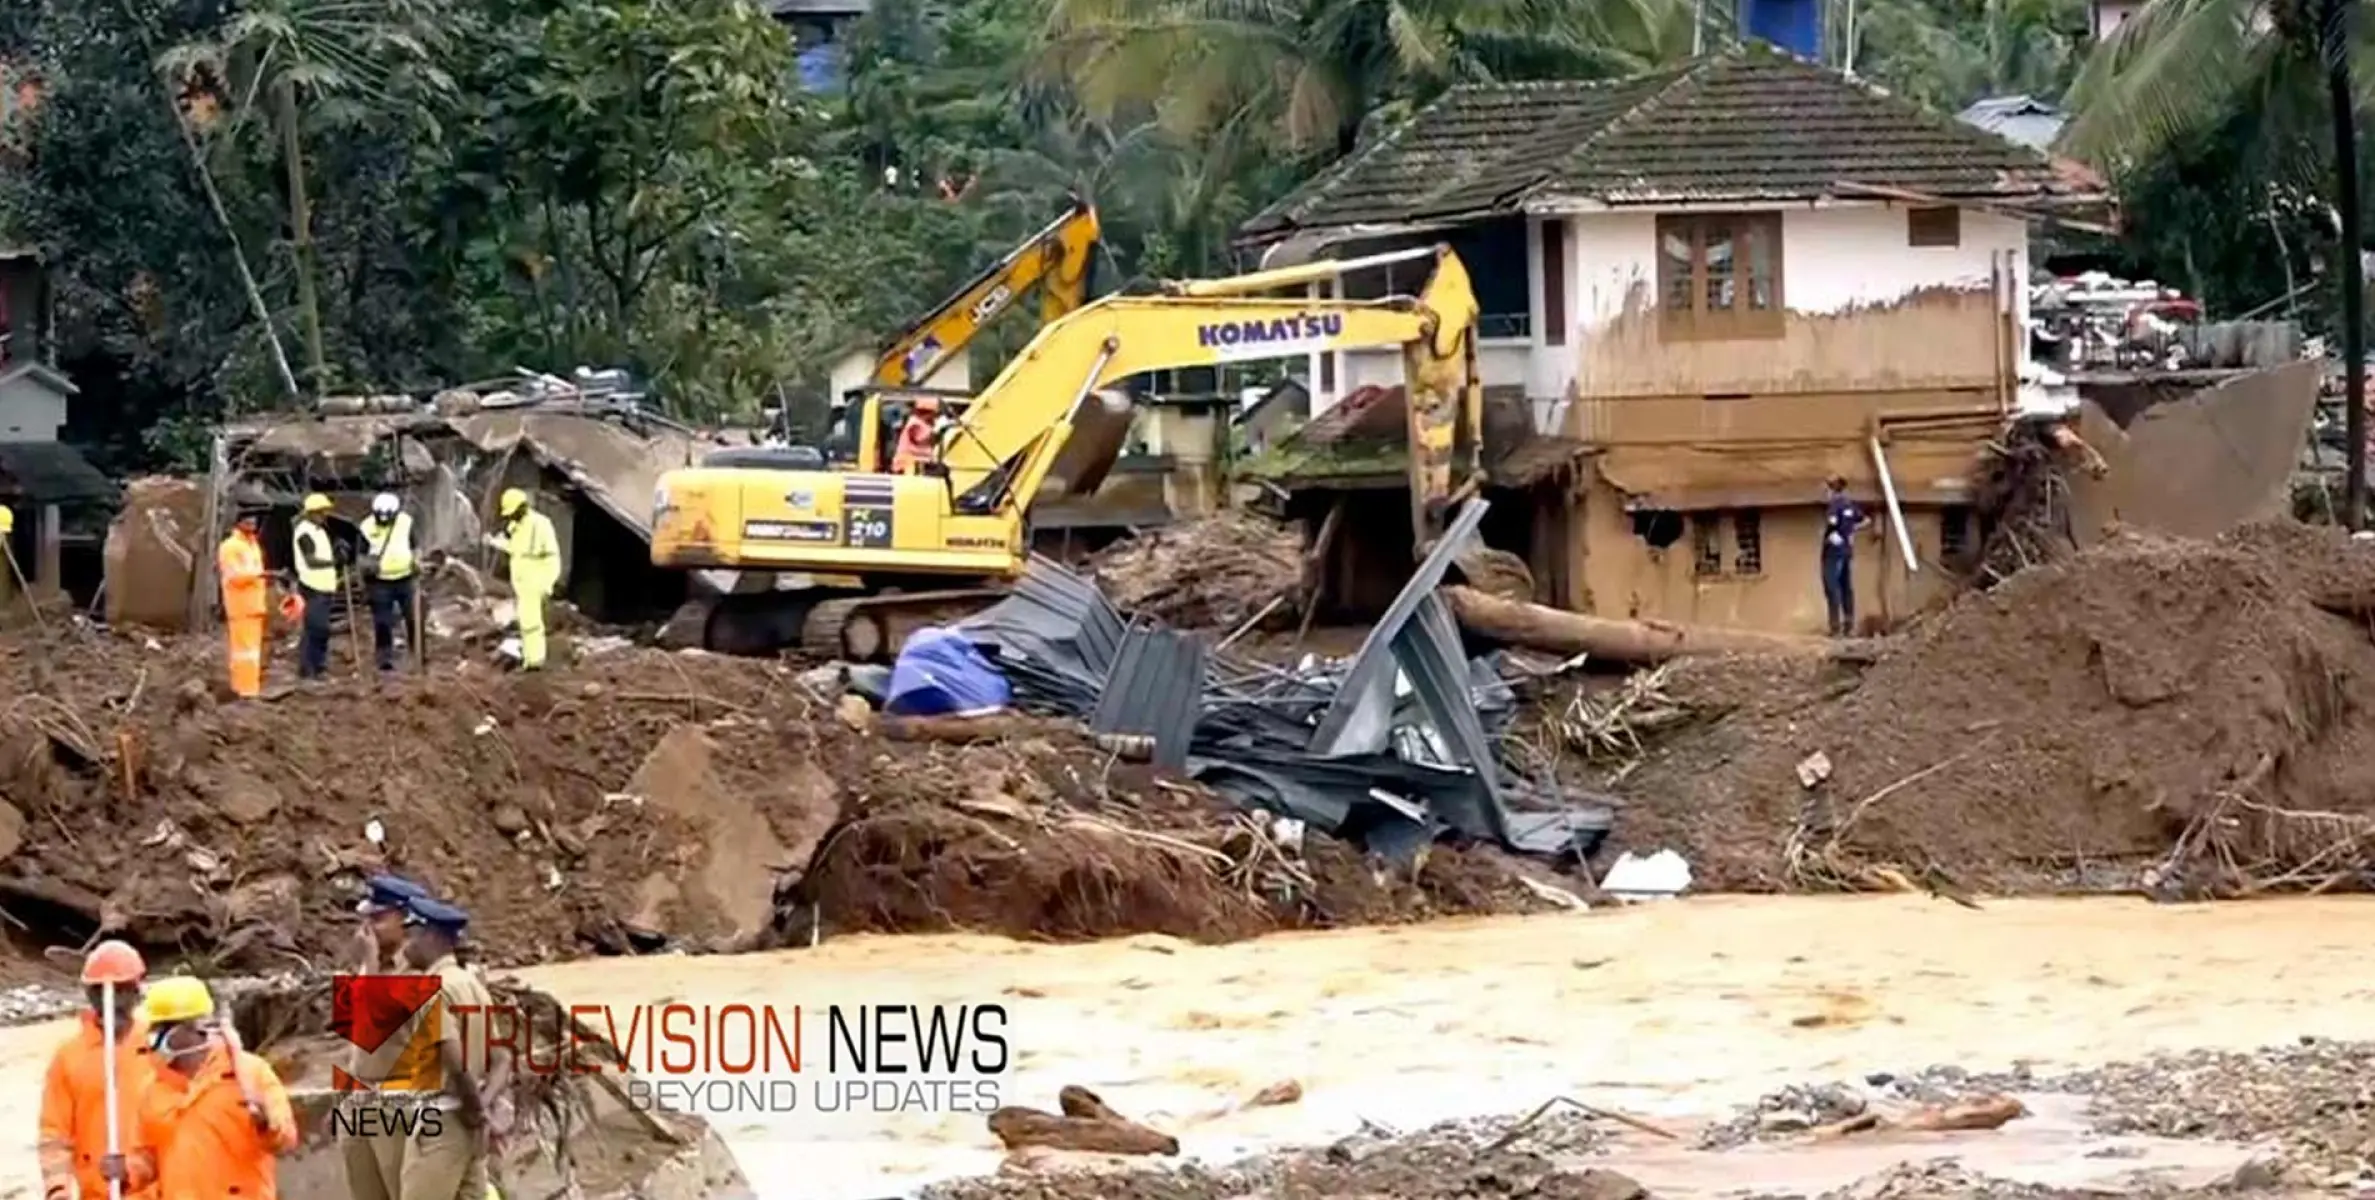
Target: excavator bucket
{"x": 1099, "y": 431}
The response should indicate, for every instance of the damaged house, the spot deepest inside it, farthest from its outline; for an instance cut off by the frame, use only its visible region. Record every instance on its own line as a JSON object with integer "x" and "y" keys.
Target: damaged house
{"x": 1704, "y": 291}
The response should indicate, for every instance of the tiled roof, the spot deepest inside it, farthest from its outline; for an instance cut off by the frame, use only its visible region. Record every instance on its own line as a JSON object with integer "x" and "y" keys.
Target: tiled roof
{"x": 51, "y": 471}
{"x": 1750, "y": 125}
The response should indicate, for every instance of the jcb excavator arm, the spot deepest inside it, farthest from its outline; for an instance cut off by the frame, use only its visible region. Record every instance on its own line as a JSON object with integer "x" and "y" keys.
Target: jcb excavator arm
{"x": 1057, "y": 259}
{"x": 1012, "y": 433}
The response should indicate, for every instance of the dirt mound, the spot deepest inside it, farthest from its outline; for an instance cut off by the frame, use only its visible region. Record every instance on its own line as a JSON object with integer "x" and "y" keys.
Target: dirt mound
{"x": 1214, "y": 572}
{"x": 1052, "y": 838}
{"x": 2178, "y": 715}
{"x": 636, "y": 799}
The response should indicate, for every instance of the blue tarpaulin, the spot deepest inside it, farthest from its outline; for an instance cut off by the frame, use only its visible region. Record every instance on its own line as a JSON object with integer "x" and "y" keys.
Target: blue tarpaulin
{"x": 940, "y": 674}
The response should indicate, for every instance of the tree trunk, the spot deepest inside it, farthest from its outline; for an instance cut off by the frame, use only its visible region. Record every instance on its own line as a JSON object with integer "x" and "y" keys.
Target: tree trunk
{"x": 247, "y": 277}
{"x": 309, "y": 304}
{"x": 1560, "y": 632}
{"x": 2334, "y": 42}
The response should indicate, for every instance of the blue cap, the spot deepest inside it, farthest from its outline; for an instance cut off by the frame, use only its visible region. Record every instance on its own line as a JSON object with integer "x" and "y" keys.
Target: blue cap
{"x": 386, "y": 893}
{"x": 437, "y": 915}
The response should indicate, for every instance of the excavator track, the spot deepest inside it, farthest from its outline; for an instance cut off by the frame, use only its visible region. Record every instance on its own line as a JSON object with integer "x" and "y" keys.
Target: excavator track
{"x": 872, "y": 628}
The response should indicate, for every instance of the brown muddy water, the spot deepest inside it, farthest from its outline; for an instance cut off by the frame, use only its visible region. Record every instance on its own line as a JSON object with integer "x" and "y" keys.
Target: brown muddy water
{"x": 1675, "y": 1011}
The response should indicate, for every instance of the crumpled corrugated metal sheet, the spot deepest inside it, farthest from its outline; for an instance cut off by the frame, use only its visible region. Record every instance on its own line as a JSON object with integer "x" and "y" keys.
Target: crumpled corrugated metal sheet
{"x": 1156, "y": 688}
{"x": 1339, "y": 747}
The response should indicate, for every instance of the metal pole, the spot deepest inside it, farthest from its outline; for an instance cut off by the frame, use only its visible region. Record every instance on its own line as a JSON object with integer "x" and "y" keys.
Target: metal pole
{"x": 115, "y": 1132}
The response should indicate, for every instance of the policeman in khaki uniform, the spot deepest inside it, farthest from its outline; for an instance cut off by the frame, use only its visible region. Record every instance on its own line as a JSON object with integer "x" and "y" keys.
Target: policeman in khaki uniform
{"x": 375, "y": 1161}
{"x": 452, "y": 1163}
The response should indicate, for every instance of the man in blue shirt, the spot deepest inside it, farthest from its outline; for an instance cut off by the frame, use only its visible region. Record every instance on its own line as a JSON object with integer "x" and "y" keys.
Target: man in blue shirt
{"x": 1842, "y": 519}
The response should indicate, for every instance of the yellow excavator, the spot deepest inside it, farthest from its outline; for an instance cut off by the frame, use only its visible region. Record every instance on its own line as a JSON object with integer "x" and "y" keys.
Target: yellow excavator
{"x": 1058, "y": 260}
{"x": 874, "y": 556}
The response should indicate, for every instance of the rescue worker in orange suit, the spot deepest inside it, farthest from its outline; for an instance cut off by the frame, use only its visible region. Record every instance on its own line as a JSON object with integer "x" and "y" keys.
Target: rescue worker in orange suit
{"x": 73, "y": 1148}
{"x": 240, "y": 563}
{"x": 215, "y": 1119}
{"x": 918, "y": 441}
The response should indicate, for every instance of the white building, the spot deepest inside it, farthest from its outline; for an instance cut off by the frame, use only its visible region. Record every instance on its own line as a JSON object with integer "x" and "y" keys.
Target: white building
{"x": 1723, "y": 282}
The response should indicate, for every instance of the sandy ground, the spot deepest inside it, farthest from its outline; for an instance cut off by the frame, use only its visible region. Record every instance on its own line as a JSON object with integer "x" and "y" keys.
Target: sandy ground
{"x": 1675, "y": 1010}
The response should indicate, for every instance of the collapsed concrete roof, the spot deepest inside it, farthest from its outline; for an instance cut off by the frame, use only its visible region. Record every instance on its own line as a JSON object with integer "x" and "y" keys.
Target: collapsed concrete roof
{"x": 617, "y": 467}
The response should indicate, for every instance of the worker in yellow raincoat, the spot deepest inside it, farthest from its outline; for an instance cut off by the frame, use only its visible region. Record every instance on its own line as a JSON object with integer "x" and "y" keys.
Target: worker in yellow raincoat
{"x": 527, "y": 536}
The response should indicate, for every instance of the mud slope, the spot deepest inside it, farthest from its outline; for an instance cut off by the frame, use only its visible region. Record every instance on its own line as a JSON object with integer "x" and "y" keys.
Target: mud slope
{"x": 2181, "y": 714}
{"x": 633, "y": 800}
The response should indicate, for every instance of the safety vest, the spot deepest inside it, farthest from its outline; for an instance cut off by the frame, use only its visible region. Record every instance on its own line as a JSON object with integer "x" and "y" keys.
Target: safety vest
{"x": 313, "y": 578}
{"x": 392, "y": 542}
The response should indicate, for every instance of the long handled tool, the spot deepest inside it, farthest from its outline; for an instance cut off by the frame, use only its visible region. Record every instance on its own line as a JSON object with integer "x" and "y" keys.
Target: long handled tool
{"x": 23, "y": 587}
{"x": 115, "y": 1132}
{"x": 354, "y": 619}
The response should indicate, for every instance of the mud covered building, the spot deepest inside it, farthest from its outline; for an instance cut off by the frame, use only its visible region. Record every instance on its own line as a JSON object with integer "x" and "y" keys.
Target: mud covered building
{"x": 1705, "y": 289}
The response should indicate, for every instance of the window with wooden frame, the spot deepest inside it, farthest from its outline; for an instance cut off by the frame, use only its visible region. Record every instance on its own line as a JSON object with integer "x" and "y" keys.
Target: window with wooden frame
{"x": 1707, "y": 552}
{"x": 1942, "y": 227}
{"x": 1748, "y": 542}
{"x": 1719, "y": 276}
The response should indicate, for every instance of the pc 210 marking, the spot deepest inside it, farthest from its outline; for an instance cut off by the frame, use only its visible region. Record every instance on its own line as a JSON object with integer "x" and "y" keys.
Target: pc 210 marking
{"x": 791, "y": 531}
{"x": 867, "y": 525}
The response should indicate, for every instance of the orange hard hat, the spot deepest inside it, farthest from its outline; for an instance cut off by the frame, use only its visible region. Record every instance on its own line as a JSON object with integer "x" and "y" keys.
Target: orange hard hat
{"x": 113, "y": 962}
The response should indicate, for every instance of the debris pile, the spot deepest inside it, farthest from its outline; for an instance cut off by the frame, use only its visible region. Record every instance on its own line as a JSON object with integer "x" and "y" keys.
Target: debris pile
{"x": 1493, "y": 1157}
{"x": 635, "y": 801}
{"x": 2184, "y": 717}
{"x": 1215, "y": 572}
{"x": 1393, "y": 748}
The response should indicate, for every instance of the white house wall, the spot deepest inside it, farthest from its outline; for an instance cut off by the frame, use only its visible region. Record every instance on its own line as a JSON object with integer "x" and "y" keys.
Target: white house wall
{"x": 1838, "y": 261}
{"x": 30, "y": 412}
{"x": 1867, "y": 311}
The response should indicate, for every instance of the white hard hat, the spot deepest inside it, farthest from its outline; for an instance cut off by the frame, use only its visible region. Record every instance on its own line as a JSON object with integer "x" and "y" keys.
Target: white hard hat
{"x": 385, "y": 504}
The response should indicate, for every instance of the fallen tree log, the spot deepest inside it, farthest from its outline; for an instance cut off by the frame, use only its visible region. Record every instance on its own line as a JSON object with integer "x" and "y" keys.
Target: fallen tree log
{"x": 1640, "y": 641}
{"x": 1086, "y": 1124}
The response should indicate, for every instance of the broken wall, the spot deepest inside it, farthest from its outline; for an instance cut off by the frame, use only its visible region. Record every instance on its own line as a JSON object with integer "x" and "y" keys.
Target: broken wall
{"x": 156, "y": 540}
{"x": 1863, "y": 310}
{"x": 1708, "y": 575}
{"x": 2201, "y": 464}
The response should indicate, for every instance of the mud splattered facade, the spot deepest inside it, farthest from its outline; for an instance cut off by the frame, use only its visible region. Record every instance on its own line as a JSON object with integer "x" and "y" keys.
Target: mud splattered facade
{"x": 1739, "y": 276}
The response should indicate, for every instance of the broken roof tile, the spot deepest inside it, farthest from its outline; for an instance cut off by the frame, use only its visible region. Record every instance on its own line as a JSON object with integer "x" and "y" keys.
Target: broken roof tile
{"x": 1750, "y": 125}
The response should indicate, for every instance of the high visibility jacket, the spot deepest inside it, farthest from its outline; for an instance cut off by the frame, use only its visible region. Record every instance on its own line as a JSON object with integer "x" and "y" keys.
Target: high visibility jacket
{"x": 240, "y": 563}
{"x": 317, "y": 561}
{"x": 915, "y": 445}
{"x": 392, "y": 542}
{"x": 196, "y": 1135}
{"x": 74, "y": 1109}
{"x": 535, "y": 552}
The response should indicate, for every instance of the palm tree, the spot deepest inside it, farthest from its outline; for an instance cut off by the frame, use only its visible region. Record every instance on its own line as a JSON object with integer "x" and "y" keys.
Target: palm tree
{"x": 283, "y": 53}
{"x": 1315, "y": 68}
{"x": 2179, "y": 68}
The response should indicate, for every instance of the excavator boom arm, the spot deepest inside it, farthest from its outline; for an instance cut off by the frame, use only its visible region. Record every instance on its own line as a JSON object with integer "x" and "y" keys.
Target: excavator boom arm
{"x": 1018, "y": 425}
{"x": 1057, "y": 260}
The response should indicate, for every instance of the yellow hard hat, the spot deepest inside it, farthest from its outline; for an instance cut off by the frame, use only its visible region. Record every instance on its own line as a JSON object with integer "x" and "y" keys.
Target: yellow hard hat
{"x": 7, "y": 520}
{"x": 177, "y": 998}
{"x": 513, "y": 501}
{"x": 317, "y": 503}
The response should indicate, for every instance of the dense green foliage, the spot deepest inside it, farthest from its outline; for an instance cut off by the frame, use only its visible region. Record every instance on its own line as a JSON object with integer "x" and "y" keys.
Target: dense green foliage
{"x": 431, "y": 191}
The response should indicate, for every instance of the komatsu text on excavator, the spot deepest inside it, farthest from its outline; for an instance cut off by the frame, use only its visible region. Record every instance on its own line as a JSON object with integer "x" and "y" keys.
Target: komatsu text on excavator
{"x": 890, "y": 548}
